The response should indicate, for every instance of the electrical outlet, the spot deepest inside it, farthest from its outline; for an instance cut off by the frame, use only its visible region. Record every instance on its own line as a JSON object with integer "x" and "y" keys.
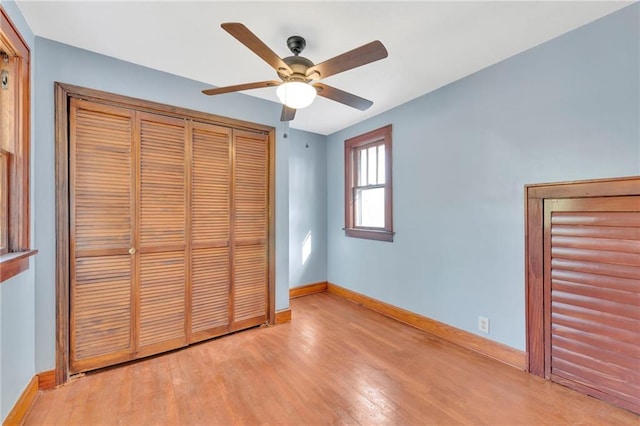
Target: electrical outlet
{"x": 483, "y": 324}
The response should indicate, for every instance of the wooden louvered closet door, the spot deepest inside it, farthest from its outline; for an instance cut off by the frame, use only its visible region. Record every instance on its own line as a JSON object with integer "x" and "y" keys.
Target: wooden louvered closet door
{"x": 102, "y": 206}
{"x": 249, "y": 230}
{"x": 592, "y": 277}
{"x": 211, "y": 223}
{"x": 162, "y": 229}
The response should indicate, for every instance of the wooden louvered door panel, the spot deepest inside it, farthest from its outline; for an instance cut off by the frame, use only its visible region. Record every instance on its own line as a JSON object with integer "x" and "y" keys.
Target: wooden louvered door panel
{"x": 592, "y": 277}
{"x": 162, "y": 254}
{"x": 101, "y": 168}
{"x": 168, "y": 231}
{"x": 250, "y": 229}
{"x": 210, "y": 222}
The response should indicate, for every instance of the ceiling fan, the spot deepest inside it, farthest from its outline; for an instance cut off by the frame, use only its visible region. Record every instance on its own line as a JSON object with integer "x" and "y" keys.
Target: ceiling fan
{"x": 299, "y": 76}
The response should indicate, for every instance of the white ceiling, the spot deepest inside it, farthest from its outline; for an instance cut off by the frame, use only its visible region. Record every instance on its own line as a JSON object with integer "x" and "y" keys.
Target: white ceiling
{"x": 430, "y": 43}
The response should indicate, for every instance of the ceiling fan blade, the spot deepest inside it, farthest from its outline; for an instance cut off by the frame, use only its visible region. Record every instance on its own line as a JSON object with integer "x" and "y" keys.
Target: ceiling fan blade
{"x": 249, "y": 39}
{"x": 362, "y": 55}
{"x": 239, "y": 87}
{"x": 342, "y": 97}
{"x": 288, "y": 114}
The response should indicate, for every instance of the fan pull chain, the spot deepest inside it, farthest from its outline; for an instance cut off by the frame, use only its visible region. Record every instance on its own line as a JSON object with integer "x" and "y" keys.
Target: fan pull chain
{"x": 286, "y": 130}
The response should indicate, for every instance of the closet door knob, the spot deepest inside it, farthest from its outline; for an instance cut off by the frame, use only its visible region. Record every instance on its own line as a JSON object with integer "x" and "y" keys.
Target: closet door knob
{"x": 132, "y": 250}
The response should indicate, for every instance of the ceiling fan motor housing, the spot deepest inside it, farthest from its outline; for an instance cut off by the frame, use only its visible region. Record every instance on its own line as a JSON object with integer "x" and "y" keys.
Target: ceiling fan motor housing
{"x": 299, "y": 66}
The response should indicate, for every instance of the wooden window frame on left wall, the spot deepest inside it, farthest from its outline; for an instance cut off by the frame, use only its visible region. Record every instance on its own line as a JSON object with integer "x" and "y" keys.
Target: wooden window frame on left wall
{"x": 17, "y": 215}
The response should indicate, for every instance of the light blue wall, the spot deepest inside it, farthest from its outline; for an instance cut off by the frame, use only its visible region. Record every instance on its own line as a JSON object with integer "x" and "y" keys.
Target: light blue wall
{"x": 307, "y": 209}
{"x": 565, "y": 110}
{"x": 63, "y": 63}
{"x": 17, "y": 315}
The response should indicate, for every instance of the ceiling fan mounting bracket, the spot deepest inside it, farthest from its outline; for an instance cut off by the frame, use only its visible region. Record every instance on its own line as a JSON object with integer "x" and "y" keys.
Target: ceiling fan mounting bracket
{"x": 296, "y": 44}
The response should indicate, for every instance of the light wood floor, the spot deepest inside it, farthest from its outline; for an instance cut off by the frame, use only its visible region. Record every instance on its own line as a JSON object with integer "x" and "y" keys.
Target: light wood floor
{"x": 336, "y": 363}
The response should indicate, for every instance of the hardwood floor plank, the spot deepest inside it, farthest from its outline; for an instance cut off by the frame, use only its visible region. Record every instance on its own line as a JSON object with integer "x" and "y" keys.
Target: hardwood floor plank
{"x": 336, "y": 363}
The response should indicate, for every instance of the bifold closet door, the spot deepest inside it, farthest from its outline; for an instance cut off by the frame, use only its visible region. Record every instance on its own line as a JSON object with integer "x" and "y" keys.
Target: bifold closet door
{"x": 229, "y": 230}
{"x": 102, "y": 207}
{"x": 250, "y": 229}
{"x": 211, "y": 224}
{"x": 129, "y": 257}
{"x": 169, "y": 232}
{"x": 162, "y": 228}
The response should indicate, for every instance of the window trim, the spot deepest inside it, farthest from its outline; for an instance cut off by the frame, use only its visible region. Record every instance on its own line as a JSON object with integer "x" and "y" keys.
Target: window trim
{"x": 17, "y": 258}
{"x": 351, "y": 145}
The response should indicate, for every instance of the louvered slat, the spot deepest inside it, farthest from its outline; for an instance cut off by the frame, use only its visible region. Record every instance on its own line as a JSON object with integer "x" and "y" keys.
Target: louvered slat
{"x": 595, "y": 300}
{"x": 597, "y": 232}
{"x": 210, "y": 288}
{"x": 599, "y": 256}
{"x": 599, "y": 243}
{"x": 162, "y": 302}
{"x": 617, "y": 219}
{"x": 622, "y": 271}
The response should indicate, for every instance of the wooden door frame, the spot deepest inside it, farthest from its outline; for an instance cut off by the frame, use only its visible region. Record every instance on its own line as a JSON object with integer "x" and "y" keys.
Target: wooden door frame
{"x": 534, "y": 249}
{"x": 63, "y": 94}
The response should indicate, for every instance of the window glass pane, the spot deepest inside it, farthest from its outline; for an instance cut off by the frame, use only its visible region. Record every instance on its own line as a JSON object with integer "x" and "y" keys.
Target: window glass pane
{"x": 381, "y": 168}
{"x": 362, "y": 167}
{"x": 373, "y": 167}
{"x": 369, "y": 206}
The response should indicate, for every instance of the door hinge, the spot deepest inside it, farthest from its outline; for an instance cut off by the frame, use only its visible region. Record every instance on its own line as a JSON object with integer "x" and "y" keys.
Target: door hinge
{"x": 4, "y": 80}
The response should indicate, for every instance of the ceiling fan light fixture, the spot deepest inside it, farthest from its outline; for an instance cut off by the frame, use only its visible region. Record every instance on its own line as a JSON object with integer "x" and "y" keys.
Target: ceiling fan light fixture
{"x": 296, "y": 94}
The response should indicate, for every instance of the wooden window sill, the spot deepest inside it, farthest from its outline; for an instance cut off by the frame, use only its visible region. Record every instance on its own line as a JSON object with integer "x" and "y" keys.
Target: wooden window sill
{"x": 11, "y": 264}
{"x": 370, "y": 234}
